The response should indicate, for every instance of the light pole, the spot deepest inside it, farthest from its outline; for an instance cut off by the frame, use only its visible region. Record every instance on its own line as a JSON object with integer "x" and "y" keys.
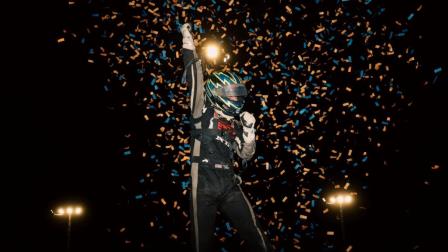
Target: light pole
{"x": 69, "y": 211}
{"x": 341, "y": 199}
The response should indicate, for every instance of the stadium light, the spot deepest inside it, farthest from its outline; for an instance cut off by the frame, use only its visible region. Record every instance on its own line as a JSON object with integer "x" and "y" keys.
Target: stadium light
{"x": 340, "y": 199}
{"x": 212, "y": 51}
{"x": 68, "y": 211}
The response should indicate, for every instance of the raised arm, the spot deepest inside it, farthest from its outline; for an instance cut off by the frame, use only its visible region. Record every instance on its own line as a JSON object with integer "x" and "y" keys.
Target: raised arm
{"x": 193, "y": 74}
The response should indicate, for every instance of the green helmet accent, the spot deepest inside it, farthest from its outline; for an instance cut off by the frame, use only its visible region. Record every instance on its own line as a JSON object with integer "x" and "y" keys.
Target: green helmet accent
{"x": 226, "y": 91}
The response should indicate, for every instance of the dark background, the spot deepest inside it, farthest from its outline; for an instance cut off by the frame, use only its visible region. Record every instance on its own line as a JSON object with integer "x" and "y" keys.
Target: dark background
{"x": 61, "y": 143}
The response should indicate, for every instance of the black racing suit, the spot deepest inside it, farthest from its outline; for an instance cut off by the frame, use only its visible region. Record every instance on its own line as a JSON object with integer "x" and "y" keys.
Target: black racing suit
{"x": 215, "y": 187}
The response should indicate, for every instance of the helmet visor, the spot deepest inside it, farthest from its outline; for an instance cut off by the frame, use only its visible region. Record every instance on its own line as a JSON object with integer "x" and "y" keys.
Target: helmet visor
{"x": 237, "y": 90}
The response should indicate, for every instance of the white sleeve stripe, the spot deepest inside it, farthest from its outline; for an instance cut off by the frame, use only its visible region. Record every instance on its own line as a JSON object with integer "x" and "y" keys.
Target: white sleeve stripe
{"x": 193, "y": 88}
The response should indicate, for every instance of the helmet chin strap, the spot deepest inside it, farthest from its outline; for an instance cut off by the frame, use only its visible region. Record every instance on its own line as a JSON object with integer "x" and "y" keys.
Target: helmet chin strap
{"x": 221, "y": 114}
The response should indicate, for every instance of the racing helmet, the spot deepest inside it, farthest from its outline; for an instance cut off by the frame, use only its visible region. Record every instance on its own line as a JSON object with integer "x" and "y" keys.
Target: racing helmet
{"x": 226, "y": 92}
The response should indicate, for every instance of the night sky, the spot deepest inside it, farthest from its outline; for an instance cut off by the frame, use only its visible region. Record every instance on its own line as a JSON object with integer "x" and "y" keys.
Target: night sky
{"x": 65, "y": 138}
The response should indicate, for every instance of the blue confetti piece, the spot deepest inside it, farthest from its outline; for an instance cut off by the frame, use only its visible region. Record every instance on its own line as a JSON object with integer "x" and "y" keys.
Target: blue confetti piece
{"x": 138, "y": 197}
{"x": 185, "y": 184}
{"x": 361, "y": 73}
{"x": 437, "y": 70}
{"x": 127, "y": 153}
{"x": 163, "y": 56}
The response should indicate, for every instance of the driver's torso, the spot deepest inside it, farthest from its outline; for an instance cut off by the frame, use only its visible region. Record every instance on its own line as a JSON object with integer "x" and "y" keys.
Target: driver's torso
{"x": 217, "y": 137}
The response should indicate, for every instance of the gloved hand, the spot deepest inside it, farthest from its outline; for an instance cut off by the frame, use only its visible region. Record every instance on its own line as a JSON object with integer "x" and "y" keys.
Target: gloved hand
{"x": 247, "y": 119}
{"x": 248, "y": 122}
{"x": 185, "y": 29}
{"x": 187, "y": 37}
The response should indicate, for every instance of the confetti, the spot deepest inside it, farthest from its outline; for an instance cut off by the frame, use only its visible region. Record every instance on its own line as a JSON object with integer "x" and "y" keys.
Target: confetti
{"x": 324, "y": 85}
